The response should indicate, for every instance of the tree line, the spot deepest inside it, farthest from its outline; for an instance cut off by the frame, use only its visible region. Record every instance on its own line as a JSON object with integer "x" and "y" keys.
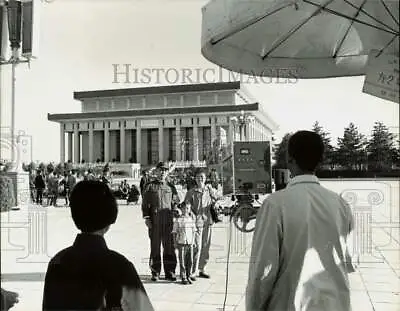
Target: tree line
{"x": 355, "y": 151}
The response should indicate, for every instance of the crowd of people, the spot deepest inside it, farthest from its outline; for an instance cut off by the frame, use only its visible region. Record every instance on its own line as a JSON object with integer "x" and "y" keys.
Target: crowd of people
{"x": 299, "y": 257}
{"x": 47, "y": 186}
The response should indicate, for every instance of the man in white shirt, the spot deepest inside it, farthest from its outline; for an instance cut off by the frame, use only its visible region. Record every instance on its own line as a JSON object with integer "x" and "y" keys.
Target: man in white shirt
{"x": 299, "y": 258}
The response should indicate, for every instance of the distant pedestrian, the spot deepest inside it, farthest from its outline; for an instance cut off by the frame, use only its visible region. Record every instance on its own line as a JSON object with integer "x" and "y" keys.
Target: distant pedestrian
{"x": 40, "y": 185}
{"x": 144, "y": 181}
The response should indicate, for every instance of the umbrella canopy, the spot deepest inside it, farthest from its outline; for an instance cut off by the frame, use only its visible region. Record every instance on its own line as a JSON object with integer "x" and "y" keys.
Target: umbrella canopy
{"x": 303, "y": 38}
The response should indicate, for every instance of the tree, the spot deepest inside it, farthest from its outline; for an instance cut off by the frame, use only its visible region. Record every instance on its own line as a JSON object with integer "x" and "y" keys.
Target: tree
{"x": 351, "y": 152}
{"x": 329, "y": 154}
{"x": 382, "y": 152}
{"x": 396, "y": 155}
{"x": 280, "y": 152}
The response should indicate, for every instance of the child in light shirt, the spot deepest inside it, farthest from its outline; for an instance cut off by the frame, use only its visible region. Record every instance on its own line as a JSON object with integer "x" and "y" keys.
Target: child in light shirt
{"x": 184, "y": 230}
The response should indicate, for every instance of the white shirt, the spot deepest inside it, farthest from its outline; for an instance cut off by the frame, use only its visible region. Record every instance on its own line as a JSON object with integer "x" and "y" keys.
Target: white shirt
{"x": 184, "y": 227}
{"x": 299, "y": 250}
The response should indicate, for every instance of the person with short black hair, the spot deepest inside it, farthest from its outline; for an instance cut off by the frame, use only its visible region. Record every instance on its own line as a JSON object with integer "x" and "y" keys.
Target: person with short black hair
{"x": 300, "y": 254}
{"x": 80, "y": 276}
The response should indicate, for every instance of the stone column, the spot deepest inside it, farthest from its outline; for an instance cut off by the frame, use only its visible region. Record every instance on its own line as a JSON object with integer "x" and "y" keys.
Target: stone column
{"x": 122, "y": 142}
{"x": 91, "y": 142}
{"x": 76, "y": 143}
{"x": 138, "y": 142}
{"x": 213, "y": 131}
{"x": 230, "y": 138}
{"x": 70, "y": 146}
{"x": 106, "y": 142}
{"x": 62, "y": 143}
{"x": 160, "y": 140}
{"x": 195, "y": 140}
{"x": 178, "y": 140}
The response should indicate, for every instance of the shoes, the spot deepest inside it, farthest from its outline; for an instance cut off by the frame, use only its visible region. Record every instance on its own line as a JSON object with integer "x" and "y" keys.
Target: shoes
{"x": 204, "y": 275}
{"x": 170, "y": 277}
{"x": 154, "y": 277}
{"x": 189, "y": 281}
{"x": 192, "y": 278}
{"x": 184, "y": 282}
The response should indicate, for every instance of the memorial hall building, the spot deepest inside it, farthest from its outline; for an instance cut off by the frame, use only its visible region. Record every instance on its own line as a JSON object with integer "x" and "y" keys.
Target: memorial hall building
{"x": 164, "y": 123}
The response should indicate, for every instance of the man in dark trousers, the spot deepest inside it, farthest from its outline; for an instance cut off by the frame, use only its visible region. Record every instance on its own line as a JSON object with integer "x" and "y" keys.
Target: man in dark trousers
{"x": 40, "y": 185}
{"x": 144, "y": 181}
{"x": 159, "y": 200}
{"x": 88, "y": 275}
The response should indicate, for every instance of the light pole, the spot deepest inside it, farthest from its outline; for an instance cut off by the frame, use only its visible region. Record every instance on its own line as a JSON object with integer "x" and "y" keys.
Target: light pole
{"x": 241, "y": 120}
{"x": 14, "y": 21}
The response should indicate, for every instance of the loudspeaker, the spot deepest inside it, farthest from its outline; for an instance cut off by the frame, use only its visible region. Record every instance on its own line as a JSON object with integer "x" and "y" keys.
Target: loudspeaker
{"x": 30, "y": 27}
{"x": 27, "y": 28}
{"x": 3, "y": 33}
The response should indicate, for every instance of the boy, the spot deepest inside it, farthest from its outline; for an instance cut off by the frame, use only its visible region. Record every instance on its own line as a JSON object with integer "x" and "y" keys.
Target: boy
{"x": 183, "y": 230}
{"x": 80, "y": 276}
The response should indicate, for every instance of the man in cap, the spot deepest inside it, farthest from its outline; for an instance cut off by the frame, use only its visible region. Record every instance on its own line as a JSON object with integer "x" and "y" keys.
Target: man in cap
{"x": 159, "y": 200}
{"x": 88, "y": 274}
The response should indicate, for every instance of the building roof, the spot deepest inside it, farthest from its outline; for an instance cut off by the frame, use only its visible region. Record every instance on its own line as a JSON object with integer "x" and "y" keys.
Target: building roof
{"x": 151, "y": 112}
{"x": 184, "y": 88}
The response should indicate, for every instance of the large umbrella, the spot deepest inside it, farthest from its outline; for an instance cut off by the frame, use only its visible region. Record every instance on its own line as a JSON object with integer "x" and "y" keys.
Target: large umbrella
{"x": 303, "y": 38}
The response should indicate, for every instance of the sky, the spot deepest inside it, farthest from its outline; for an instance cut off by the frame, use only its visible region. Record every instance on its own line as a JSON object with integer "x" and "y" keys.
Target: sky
{"x": 81, "y": 42}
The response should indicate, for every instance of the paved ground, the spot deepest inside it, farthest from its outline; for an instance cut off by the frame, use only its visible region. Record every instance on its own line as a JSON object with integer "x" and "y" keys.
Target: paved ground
{"x": 375, "y": 285}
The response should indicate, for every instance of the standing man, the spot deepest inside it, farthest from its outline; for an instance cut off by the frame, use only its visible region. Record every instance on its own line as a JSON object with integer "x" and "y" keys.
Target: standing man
{"x": 300, "y": 258}
{"x": 70, "y": 184}
{"x": 159, "y": 200}
{"x": 40, "y": 185}
{"x": 201, "y": 197}
{"x": 32, "y": 185}
{"x": 144, "y": 181}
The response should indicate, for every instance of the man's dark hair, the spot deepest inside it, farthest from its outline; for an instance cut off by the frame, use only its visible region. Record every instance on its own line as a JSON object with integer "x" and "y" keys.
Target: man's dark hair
{"x": 93, "y": 206}
{"x": 307, "y": 148}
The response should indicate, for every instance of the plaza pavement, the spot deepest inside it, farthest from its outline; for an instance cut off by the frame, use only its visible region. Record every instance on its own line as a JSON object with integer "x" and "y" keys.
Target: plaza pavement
{"x": 374, "y": 286}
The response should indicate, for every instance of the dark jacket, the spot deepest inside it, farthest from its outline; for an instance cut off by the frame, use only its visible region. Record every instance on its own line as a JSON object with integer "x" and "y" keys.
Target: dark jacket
{"x": 158, "y": 196}
{"x": 143, "y": 183}
{"x": 80, "y": 276}
{"x": 39, "y": 182}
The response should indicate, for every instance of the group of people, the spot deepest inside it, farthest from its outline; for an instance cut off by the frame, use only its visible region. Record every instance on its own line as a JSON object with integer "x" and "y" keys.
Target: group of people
{"x": 128, "y": 192}
{"x": 55, "y": 184}
{"x": 299, "y": 260}
{"x": 184, "y": 226}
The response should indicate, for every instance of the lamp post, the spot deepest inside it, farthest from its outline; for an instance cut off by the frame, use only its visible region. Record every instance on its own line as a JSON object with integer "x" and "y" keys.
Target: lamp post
{"x": 14, "y": 21}
{"x": 241, "y": 120}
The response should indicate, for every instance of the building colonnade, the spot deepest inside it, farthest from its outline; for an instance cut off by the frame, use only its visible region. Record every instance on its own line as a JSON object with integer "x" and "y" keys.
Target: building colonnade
{"x": 148, "y": 141}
